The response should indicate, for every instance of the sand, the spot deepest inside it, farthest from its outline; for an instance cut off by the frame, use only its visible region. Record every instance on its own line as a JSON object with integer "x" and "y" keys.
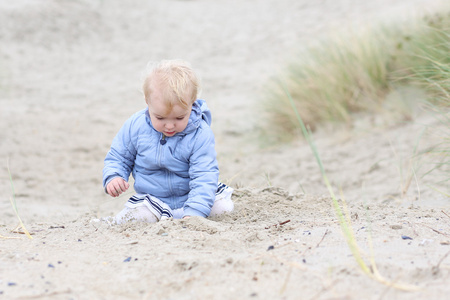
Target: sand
{"x": 70, "y": 75}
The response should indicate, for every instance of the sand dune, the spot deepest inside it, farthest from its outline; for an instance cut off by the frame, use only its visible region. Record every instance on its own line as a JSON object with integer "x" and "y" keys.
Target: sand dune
{"x": 70, "y": 75}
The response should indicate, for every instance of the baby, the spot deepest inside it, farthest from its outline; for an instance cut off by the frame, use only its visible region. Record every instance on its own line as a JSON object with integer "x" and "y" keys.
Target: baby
{"x": 169, "y": 149}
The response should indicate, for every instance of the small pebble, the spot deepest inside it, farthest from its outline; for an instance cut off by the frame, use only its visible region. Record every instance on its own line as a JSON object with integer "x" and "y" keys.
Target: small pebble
{"x": 127, "y": 259}
{"x": 164, "y": 234}
{"x": 134, "y": 242}
{"x": 405, "y": 237}
{"x": 271, "y": 247}
{"x": 12, "y": 283}
{"x": 51, "y": 266}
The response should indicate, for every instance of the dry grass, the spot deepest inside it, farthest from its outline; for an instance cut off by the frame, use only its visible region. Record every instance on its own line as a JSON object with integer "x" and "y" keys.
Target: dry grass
{"x": 354, "y": 72}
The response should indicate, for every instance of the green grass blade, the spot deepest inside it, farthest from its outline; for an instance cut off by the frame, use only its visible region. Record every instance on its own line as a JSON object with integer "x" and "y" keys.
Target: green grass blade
{"x": 344, "y": 224}
{"x": 14, "y": 205}
{"x": 344, "y": 218}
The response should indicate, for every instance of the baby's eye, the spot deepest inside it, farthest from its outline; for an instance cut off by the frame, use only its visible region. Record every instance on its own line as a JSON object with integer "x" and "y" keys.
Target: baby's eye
{"x": 180, "y": 118}
{"x": 159, "y": 118}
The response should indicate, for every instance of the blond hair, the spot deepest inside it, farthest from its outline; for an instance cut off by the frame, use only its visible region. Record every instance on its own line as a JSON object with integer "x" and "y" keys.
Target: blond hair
{"x": 176, "y": 81}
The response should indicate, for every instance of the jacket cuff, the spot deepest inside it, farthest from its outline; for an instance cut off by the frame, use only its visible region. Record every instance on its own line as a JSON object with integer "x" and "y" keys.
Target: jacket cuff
{"x": 193, "y": 213}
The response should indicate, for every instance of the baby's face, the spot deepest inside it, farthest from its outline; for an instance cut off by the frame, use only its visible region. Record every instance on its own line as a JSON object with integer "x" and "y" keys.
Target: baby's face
{"x": 167, "y": 123}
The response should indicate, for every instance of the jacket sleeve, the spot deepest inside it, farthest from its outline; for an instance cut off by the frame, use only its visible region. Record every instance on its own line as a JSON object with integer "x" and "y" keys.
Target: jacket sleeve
{"x": 204, "y": 175}
{"x": 120, "y": 158}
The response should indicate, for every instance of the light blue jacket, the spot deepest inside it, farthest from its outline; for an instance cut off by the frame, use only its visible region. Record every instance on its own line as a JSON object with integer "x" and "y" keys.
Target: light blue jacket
{"x": 183, "y": 172}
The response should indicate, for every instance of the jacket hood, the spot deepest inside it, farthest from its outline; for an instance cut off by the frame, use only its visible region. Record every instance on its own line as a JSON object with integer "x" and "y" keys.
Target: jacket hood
{"x": 200, "y": 111}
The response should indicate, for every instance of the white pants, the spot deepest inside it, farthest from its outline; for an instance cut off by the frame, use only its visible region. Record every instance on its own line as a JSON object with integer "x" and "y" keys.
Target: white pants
{"x": 146, "y": 208}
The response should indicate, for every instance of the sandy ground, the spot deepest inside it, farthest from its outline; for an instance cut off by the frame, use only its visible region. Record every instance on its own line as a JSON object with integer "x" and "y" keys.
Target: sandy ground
{"x": 70, "y": 75}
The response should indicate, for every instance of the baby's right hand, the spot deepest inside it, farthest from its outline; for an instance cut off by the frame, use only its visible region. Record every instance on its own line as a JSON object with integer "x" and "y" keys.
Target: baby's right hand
{"x": 117, "y": 186}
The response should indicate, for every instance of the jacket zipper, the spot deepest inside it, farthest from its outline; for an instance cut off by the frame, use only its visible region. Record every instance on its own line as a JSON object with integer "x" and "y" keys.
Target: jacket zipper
{"x": 163, "y": 141}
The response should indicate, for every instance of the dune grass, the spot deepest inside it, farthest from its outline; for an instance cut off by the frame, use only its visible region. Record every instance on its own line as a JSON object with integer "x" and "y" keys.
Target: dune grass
{"x": 439, "y": 154}
{"x": 346, "y": 75}
{"x": 433, "y": 75}
{"x": 353, "y": 73}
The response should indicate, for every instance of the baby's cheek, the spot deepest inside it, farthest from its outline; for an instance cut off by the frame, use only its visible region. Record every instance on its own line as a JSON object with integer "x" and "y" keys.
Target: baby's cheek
{"x": 158, "y": 126}
{"x": 184, "y": 124}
